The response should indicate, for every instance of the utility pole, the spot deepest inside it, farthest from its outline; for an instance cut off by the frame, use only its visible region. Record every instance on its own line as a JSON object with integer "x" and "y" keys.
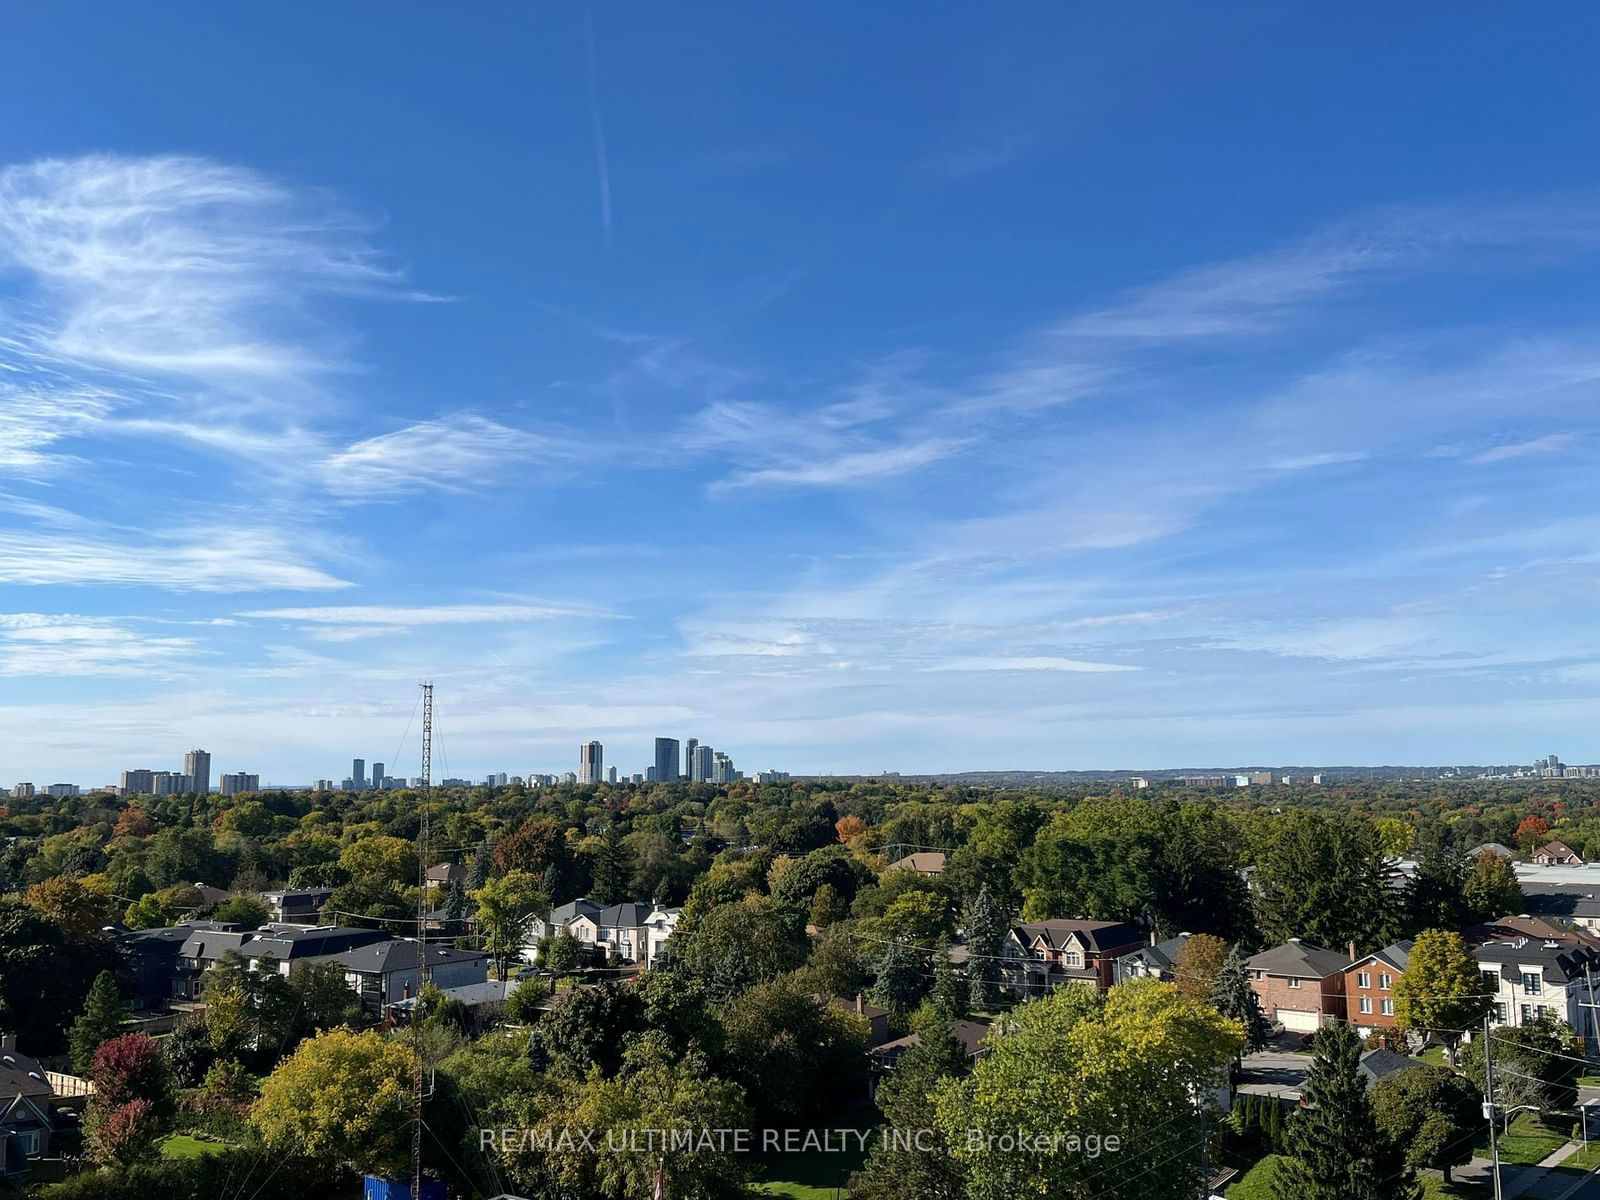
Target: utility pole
{"x": 1489, "y": 1105}
{"x": 419, "y": 1082}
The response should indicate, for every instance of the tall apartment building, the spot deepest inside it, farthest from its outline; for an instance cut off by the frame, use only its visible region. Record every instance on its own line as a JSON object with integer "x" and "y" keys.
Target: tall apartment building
{"x": 239, "y": 783}
{"x": 62, "y": 789}
{"x": 138, "y": 782}
{"x": 722, "y": 768}
{"x": 611, "y": 775}
{"x": 689, "y": 747}
{"x": 197, "y": 766}
{"x": 700, "y": 769}
{"x": 21, "y": 791}
{"x": 666, "y": 759}
{"x": 358, "y": 773}
{"x": 591, "y": 762}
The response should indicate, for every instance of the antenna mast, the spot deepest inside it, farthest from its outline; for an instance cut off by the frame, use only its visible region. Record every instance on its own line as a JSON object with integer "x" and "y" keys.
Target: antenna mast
{"x": 419, "y": 1088}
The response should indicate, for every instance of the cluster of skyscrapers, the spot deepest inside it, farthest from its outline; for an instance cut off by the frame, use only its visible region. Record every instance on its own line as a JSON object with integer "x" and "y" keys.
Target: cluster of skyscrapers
{"x": 692, "y": 760}
{"x": 360, "y": 781}
{"x": 194, "y": 779}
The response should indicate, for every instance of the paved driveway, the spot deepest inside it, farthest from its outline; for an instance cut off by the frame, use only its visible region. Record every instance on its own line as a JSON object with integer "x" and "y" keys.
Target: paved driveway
{"x": 1274, "y": 1073}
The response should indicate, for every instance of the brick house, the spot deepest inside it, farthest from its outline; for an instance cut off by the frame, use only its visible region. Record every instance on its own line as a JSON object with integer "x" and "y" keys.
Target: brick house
{"x": 1042, "y": 956}
{"x": 1300, "y": 986}
{"x": 1369, "y": 987}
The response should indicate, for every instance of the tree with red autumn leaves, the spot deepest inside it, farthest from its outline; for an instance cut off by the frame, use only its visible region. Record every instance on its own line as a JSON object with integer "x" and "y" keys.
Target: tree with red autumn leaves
{"x": 1534, "y": 829}
{"x": 133, "y": 1103}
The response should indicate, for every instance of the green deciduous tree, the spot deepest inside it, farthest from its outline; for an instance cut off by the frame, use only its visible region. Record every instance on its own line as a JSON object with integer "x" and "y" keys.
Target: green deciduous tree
{"x": 1431, "y": 1115}
{"x": 506, "y": 908}
{"x": 1119, "y": 1065}
{"x": 1442, "y": 989}
{"x": 341, "y": 1097}
{"x": 1491, "y": 888}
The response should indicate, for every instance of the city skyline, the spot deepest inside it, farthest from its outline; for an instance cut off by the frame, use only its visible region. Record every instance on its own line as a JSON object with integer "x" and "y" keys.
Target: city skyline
{"x": 1123, "y": 405}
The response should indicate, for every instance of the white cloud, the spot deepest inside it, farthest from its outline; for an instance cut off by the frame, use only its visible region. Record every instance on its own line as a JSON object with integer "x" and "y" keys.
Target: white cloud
{"x": 452, "y": 454}
{"x": 397, "y": 616}
{"x": 40, "y": 644}
{"x": 1549, "y": 444}
{"x": 1031, "y": 662}
{"x": 176, "y": 265}
{"x": 215, "y": 560}
{"x": 857, "y": 467}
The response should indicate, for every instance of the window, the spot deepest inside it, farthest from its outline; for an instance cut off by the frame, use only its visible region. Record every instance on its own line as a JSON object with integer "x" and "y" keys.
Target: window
{"x": 1385, "y": 981}
{"x": 1074, "y": 958}
{"x": 1388, "y": 1007}
{"x": 1527, "y": 1013}
{"x": 1294, "y": 982}
{"x": 1366, "y": 1004}
{"x": 1500, "y": 1012}
{"x": 1531, "y": 983}
{"x": 1491, "y": 980}
{"x": 29, "y": 1139}
{"x": 1363, "y": 979}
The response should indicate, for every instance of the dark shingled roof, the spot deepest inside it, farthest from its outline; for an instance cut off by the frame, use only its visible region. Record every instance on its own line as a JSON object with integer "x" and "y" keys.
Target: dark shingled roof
{"x": 1301, "y": 959}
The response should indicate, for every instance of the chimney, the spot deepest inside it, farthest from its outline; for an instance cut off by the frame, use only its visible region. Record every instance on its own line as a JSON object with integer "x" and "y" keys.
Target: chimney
{"x": 1352, "y": 951}
{"x": 861, "y": 1005}
{"x": 8, "y": 1042}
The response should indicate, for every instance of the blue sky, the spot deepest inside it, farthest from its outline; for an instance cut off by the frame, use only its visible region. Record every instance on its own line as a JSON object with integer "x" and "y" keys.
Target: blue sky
{"x": 851, "y": 387}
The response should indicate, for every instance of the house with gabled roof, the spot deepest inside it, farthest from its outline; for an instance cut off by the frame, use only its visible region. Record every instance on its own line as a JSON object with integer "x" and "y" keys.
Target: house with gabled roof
{"x": 927, "y": 863}
{"x": 1156, "y": 961}
{"x": 25, "y": 1096}
{"x": 1043, "y": 955}
{"x": 1556, "y": 854}
{"x": 385, "y": 973}
{"x": 1300, "y": 985}
{"x": 1369, "y": 987}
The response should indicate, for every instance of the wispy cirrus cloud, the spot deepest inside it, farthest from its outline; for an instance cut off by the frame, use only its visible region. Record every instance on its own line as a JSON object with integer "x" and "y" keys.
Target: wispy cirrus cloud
{"x": 208, "y": 560}
{"x": 454, "y": 454}
{"x": 402, "y": 616}
{"x": 56, "y": 644}
{"x": 1550, "y": 443}
{"x": 177, "y": 266}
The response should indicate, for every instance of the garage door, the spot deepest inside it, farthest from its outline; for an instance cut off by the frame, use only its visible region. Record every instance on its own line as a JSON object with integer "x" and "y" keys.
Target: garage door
{"x": 1296, "y": 1021}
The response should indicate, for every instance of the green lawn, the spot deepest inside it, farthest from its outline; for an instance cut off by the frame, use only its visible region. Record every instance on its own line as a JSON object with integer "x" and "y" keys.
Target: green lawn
{"x": 814, "y": 1175}
{"x": 1260, "y": 1182}
{"x": 181, "y": 1145}
{"x": 1530, "y": 1138}
{"x": 1583, "y": 1159}
{"x": 1437, "y": 1056}
{"x": 1434, "y": 1188}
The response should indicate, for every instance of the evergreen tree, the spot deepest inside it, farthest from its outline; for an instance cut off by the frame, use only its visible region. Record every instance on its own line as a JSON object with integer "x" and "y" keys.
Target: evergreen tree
{"x": 1335, "y": 1152}
{"x": 986, "y": 931}
{"x": 1434, "y": 894}
{"x": 101, "y": 1020}
{"x": 929, "y": 1171}
{"x": 455, "y": 904}
{"x": 1233, "y": 996}
{"x": 612, "y": 869}
{"x": 951, "y": 996}
{"x": 552, "y": 884}
{"x": 482, "y": 865}
{"x": 901, "y": 979}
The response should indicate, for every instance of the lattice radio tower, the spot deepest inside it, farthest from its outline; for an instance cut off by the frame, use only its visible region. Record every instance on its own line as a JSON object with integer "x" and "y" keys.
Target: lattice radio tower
{"x": 419, "y": 1082}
